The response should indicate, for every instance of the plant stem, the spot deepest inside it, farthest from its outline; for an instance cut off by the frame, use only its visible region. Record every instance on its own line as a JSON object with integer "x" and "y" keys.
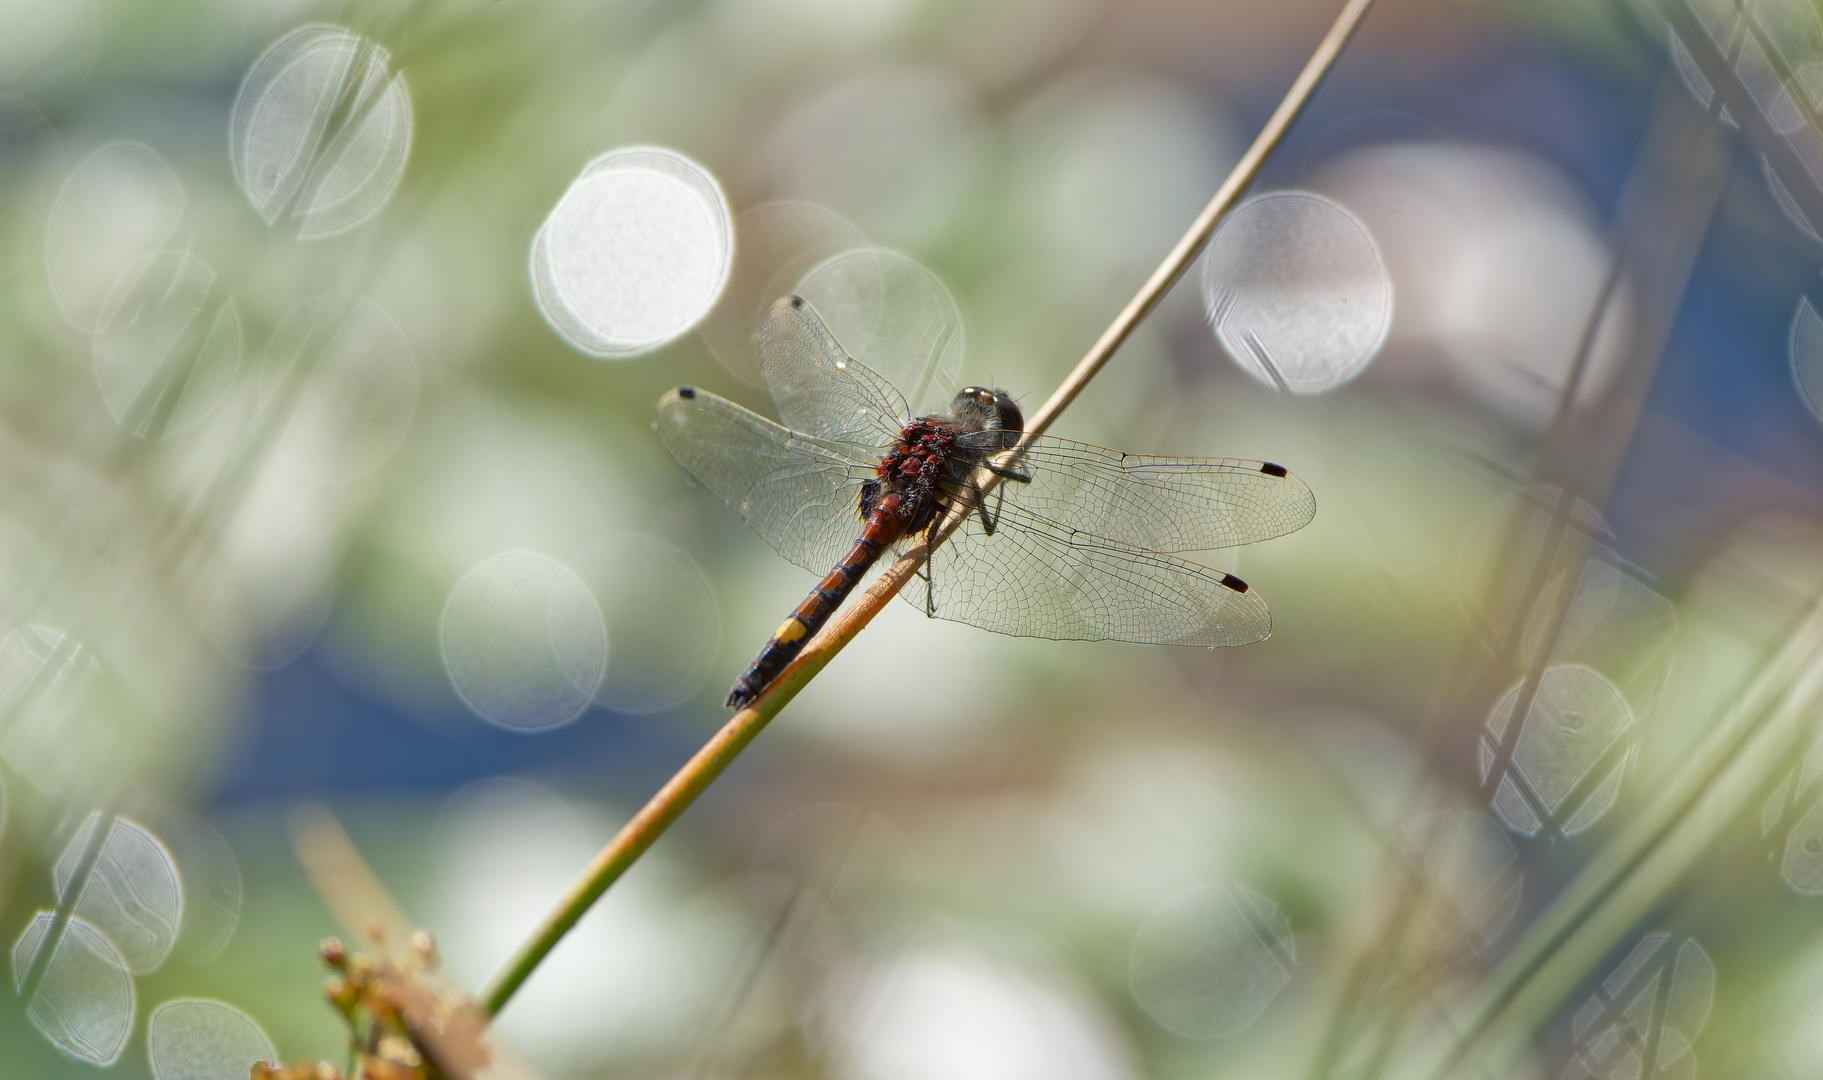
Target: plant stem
{"x": 683, "y": 788}
{"x": 40, "y": 965}
{"x": 637, "y": 835}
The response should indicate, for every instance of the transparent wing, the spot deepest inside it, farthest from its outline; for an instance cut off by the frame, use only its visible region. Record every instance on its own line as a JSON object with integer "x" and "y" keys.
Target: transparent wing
{"x": 1034, "y": 578}
{"x": 1158, "y": 503}
{"x": 801, "y": 494}
{"x": 819, "y": 389}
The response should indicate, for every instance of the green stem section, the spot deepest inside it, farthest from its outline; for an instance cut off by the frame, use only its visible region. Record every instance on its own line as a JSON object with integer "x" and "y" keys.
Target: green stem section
{"x": 636, "y": 836}
{"x": 707, "y": 764}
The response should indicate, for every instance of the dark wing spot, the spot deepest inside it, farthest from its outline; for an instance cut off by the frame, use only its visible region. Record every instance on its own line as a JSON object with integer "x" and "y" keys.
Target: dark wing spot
{"x": 1270, "y": 469}
{"x": 797, "y": 301}
{"x": 1234, "y": 583}
{"x": 688, "y": 393}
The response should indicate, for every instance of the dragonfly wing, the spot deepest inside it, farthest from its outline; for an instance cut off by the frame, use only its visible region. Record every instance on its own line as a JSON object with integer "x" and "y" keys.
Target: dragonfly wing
{"x": 818, "y": 388}
{"x": 1159, "y": 503}
{"x": 801, "y": 494}
{"x": 1034, "y": 578}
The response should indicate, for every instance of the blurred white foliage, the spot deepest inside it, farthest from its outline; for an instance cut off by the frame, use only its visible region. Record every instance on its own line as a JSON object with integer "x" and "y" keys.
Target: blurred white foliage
{"x": 787, "y": 33}
{"x": 1111, "y": 165}
{"x": 634, "y": 979}
{"x": 1497, "y": 259}
{"x": 949, "y": 1013}
{"x": 895, "y": 149}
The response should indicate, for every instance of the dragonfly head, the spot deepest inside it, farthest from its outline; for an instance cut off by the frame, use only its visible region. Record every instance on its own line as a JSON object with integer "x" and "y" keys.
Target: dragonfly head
{"x": 995, "y": 409}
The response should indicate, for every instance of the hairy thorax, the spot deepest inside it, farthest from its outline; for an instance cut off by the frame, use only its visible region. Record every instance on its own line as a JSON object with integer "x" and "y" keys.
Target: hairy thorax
{"x": 918, "y": 470}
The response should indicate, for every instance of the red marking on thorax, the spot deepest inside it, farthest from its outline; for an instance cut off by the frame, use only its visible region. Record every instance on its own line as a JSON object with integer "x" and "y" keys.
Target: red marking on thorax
{"x": 924, "y": 446}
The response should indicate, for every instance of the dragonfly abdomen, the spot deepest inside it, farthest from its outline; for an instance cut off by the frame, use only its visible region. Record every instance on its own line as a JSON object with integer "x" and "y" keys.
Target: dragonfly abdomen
{"x": 885, "y": 523}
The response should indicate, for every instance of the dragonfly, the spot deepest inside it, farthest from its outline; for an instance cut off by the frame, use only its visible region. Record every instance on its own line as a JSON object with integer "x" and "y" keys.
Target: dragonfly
{"x": 1074, "y": 541}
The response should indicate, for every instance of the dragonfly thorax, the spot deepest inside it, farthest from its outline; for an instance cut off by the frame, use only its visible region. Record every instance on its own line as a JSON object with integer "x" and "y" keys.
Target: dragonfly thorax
{"x": 912, "y": 471}
{"x": 933, "y": 453}
{"x": 920, "y": 454}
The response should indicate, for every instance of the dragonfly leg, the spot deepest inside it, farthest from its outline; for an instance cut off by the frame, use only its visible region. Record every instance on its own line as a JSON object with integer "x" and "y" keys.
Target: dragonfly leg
{"x": 930, "y": 601}
{"x": 989, "y": 523}
{"x": 930, "y": 595}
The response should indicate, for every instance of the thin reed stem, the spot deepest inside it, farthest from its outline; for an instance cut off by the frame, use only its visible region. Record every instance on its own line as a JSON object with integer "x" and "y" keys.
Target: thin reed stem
{"x": 1582, "y": 923}
{"x": 40, "y": 965}
{"x": 683, "y": 788}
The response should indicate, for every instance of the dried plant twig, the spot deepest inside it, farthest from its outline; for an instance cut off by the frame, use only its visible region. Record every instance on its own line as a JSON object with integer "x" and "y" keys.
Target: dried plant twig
{"x": 683, "y": 788}
{"x": 400, "y": 983}
{"x": 343, "y": 879}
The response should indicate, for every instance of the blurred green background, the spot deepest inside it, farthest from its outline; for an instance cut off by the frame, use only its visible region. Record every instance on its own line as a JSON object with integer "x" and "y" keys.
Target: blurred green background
{"x": 311, "y": 492}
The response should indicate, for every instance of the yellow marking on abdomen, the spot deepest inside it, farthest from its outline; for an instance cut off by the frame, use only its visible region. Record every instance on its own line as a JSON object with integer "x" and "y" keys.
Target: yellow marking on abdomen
{"x": 789, "y": 631}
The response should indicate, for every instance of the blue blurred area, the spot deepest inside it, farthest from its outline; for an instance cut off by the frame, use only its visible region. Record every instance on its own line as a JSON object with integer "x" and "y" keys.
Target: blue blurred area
{"x": 310, "y": 730}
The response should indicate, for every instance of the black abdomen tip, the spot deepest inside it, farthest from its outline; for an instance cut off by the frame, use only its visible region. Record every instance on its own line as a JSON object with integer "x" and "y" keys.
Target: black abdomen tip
{"x": 688, "y": 393}
{"x": 797, "y": 301}
{"x": 1270, "y": 469}
{"x": 1234, "y": 583}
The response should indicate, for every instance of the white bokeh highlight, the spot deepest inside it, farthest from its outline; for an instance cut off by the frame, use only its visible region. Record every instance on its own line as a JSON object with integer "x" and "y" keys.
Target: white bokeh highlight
{"x": 168, "y": 347}
{"x": 1645, "y": 1018}
{"x": 321, "y": 130}
{"x": 1209, "y": 961}
{"x": 195, "y": 1039}
{"x": 84, "y": 1005}
{"x": 664, "y": 625}
{"x": 1498, "y": 259}
{"x": 1804, "y": 351}
{"x": 523, "y": 642}
{"x": 1296, "y": 292}
{"x": 1568, "y": 758}
{"x": 635, "y": 253}
{"x": 133, "y": 894}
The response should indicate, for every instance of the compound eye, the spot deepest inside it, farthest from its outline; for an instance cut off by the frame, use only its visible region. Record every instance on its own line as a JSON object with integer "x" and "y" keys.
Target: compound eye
{"x": 1011, "y": 419}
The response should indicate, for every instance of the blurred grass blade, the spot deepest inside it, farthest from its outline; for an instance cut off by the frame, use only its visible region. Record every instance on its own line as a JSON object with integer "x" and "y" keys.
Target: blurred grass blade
{"x": 1633, "y": 874}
